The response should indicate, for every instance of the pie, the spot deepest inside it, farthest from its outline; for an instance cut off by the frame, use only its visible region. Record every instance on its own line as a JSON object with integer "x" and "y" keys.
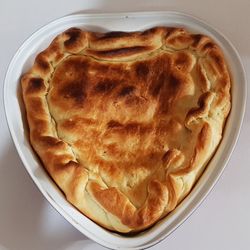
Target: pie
{"x": 126, "y": 122}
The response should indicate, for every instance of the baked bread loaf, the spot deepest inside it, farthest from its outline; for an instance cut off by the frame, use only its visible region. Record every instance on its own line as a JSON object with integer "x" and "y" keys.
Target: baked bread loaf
{"x": 126, "y": 122}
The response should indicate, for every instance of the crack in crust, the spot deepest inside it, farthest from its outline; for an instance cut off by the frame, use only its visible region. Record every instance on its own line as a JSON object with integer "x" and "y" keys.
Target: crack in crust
{"x": 125, "y": 123}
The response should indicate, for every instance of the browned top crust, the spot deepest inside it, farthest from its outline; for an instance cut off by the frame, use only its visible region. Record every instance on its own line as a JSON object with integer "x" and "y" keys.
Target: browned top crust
{"x": 124, "y": 122}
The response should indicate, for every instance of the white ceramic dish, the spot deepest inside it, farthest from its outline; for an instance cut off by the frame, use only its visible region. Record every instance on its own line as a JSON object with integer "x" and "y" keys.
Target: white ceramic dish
{"x": 23, "y": 59}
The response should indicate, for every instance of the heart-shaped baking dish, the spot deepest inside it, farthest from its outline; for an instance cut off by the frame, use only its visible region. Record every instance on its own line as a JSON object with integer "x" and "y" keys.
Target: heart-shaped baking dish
{"x": 125, "y": 22}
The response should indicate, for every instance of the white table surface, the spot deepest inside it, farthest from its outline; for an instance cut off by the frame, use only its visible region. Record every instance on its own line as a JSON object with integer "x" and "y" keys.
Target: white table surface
{"x": 28, "y": 222}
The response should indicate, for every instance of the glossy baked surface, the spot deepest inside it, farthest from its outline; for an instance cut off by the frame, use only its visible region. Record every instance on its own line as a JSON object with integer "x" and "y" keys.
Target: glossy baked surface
{"x": 125, "y": 123}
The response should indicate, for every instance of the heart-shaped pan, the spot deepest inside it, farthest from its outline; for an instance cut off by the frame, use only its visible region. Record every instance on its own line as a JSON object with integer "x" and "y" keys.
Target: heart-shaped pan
{"x": 125, "y": 22}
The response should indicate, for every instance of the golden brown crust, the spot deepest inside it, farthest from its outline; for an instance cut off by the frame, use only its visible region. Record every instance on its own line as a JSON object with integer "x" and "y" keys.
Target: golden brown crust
{"x": 125, "y": 123}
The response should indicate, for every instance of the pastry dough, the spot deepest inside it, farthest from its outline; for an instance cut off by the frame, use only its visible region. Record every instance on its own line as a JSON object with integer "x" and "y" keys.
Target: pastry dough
{"x": 125, "y": 122}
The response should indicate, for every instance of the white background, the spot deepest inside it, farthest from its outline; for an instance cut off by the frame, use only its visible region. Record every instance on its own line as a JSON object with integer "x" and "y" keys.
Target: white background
{"x": 28, "y": 222}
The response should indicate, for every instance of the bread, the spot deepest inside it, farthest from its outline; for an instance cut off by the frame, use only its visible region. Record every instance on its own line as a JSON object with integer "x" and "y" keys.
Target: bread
{"x": 126, "y": 122}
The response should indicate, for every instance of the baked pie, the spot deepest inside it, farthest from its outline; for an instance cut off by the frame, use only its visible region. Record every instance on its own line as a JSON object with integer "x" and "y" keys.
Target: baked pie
{"x": 126, "y": 122}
